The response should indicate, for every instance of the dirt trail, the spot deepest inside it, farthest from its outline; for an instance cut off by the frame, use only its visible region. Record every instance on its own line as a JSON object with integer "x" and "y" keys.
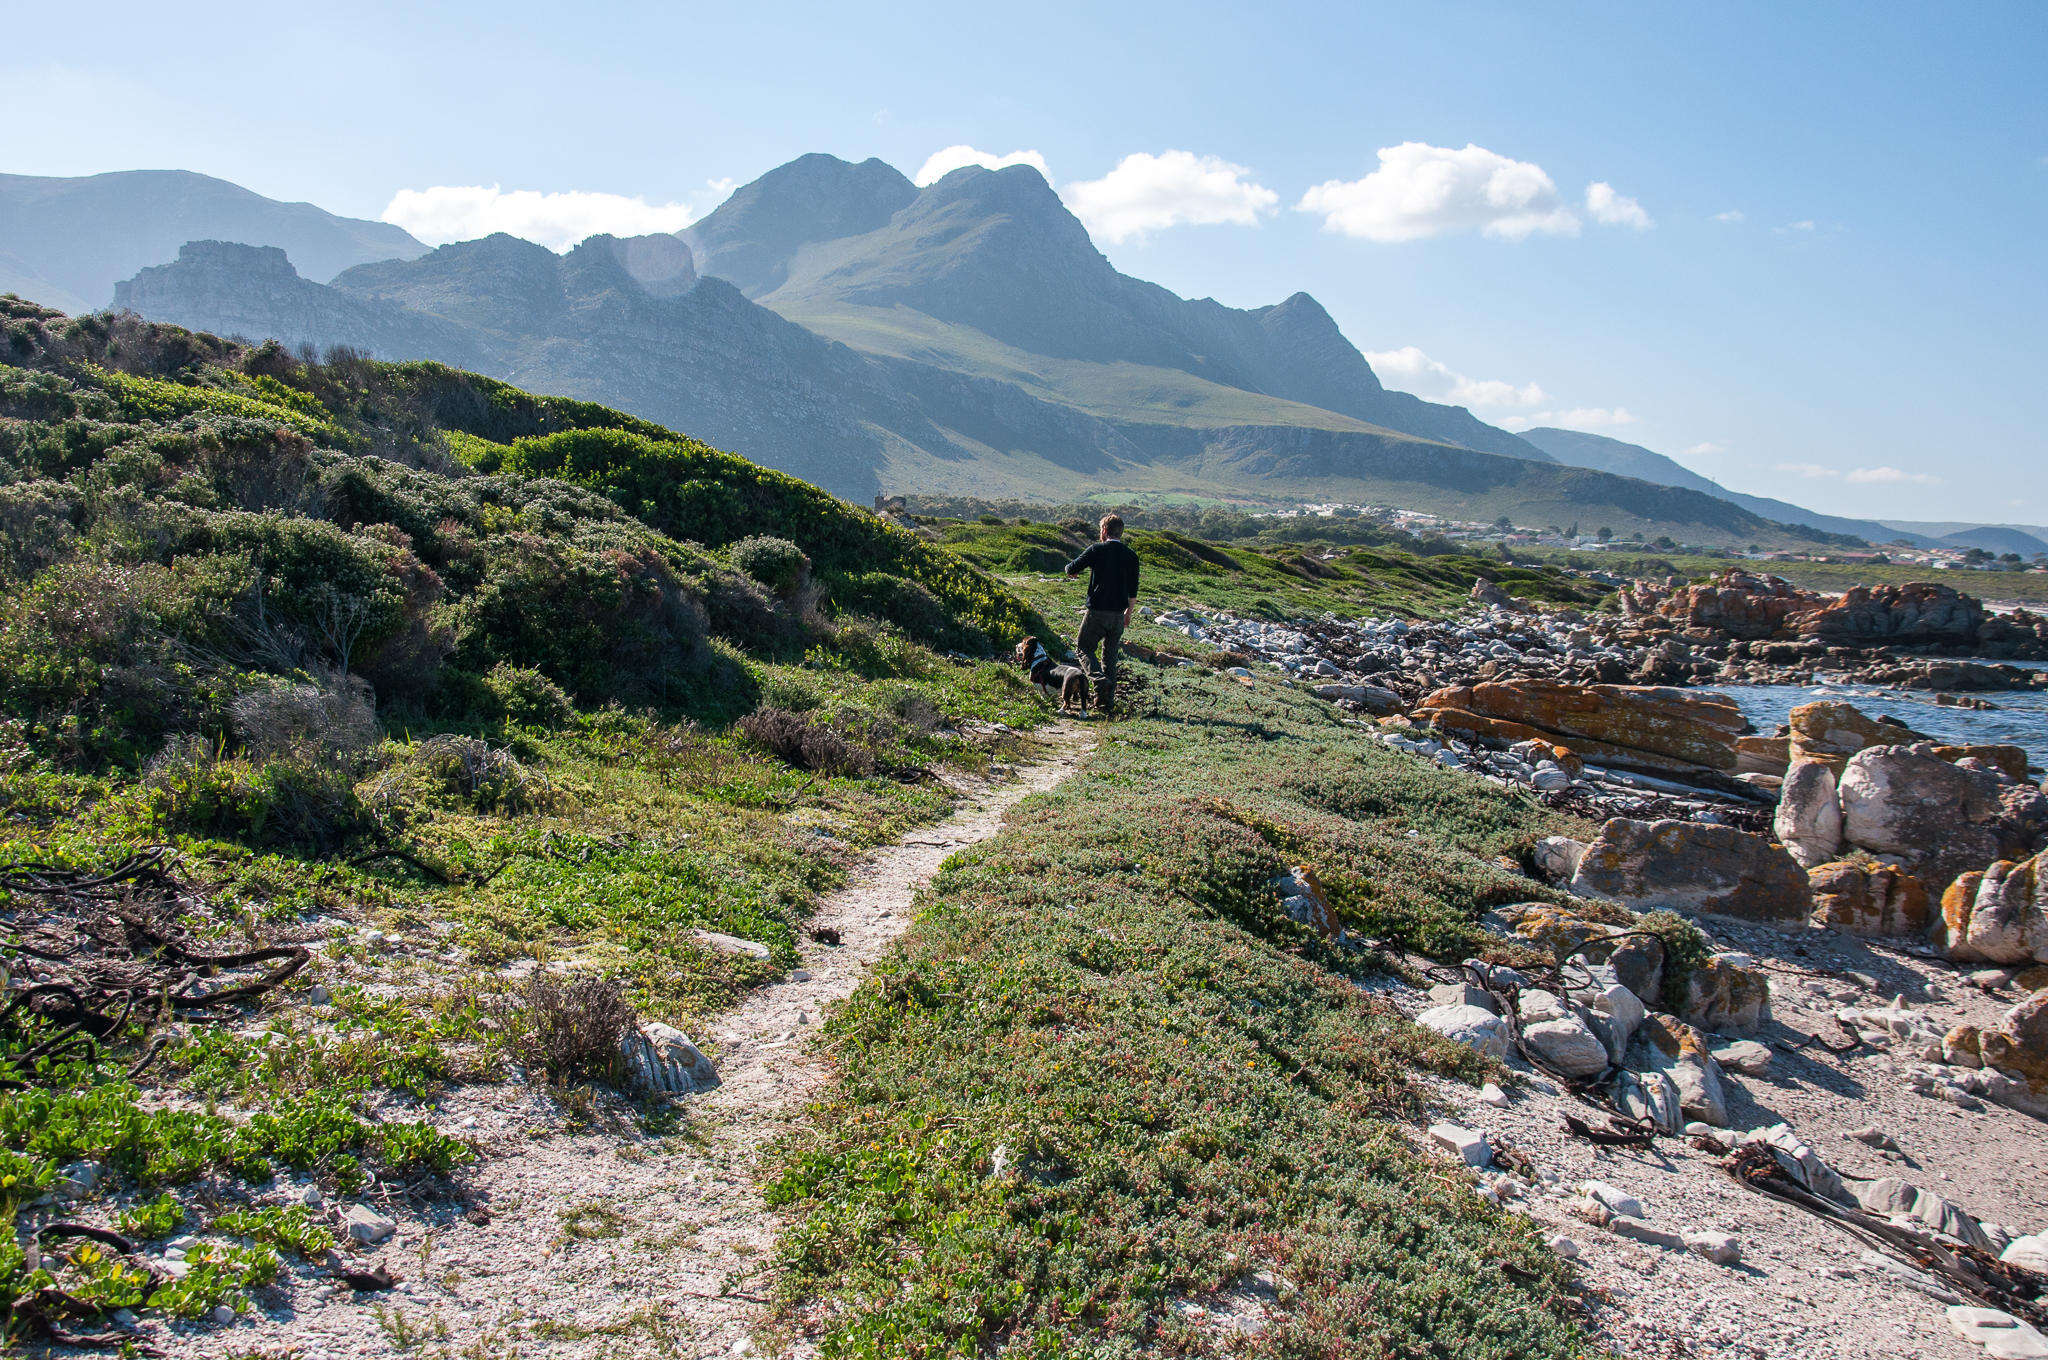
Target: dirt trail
{"x": 615, "y": 1242}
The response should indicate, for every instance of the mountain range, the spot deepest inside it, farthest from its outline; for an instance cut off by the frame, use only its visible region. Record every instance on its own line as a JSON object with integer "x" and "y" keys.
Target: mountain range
{"x": 835, "y": 320}
{"x": 65, "y": 242}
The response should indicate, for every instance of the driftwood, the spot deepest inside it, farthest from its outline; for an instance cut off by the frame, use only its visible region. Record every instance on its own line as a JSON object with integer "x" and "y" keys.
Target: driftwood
{"x": 1970, "y": 1271}
{"x": 111, "y": 949}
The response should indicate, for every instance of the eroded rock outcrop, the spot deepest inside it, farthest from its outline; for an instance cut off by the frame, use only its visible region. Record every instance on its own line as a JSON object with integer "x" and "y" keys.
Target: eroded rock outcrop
{"x": 1640, "y": 727}
{"x": 1999, "y": 914}
{"x": 1874, "y": 900}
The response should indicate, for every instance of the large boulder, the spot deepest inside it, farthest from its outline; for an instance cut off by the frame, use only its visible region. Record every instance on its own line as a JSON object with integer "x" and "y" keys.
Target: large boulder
{"x": 1647, "y": 727}
{"x": 1829, "y": 732}
{"x": 1472, "y": 1026}
{"x": 1875, "y": 900}
{"x": 1556, "y": 1032}
{"x": 1693, "y": 867}
{"x": 1999, "y": 915}
{"x": 1809, "y": 817}
{"x": 2020, "y": 1043}
{"x": 1941, "y": 819}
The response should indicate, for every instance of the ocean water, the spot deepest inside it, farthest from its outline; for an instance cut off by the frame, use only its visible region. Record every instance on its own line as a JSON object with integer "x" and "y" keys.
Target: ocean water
{"x": 2021, "y": 718}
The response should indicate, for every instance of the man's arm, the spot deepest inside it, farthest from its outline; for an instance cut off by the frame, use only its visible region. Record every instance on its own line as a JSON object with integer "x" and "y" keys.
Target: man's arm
{"x": 1081, "y": 563}
{"x": 1131, "y": 605}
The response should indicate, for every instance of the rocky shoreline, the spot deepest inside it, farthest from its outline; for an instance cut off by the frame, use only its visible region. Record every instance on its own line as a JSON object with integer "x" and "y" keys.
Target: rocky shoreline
{"x": 1680, "y": 937}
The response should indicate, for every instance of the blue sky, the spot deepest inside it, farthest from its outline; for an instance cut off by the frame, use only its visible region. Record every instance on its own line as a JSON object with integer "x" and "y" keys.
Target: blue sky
{"x": 1831, "y": 287}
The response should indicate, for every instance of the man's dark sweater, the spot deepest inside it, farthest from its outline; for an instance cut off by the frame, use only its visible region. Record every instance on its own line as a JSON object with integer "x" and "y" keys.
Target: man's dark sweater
{"x": 1112, "y": 574}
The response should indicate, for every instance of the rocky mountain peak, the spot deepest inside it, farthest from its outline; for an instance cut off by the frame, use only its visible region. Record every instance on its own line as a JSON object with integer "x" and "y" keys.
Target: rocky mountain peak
{"x": 751, "y": 237}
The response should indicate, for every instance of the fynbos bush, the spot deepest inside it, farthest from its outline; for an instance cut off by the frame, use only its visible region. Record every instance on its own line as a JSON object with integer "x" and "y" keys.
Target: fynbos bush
{"x": 571, "y": 1031}
{"x": 776, "y": 563}
{"x": 806, "y": 743}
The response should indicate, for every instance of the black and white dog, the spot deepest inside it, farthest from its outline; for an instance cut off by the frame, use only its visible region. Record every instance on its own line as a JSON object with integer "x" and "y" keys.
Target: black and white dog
{"x": 1068, "y": 682}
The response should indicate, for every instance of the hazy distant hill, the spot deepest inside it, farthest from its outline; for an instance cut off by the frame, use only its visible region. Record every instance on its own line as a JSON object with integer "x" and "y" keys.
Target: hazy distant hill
{"x": 66, "y": 242}
{"x": 1998, "y": 538}
{"x": 1580, "y": 449}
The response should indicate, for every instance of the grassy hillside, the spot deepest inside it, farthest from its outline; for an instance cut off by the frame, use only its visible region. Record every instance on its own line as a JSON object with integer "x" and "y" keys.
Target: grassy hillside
{"x": 261, "y": 614}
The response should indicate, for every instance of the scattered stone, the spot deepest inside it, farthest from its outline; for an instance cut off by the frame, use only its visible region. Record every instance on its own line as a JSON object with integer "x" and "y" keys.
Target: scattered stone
{"x": 1651, "y": 1098}
{"x": 1612, "y": 1200}
{"x": 730, "y": 944}
{"x": 366, "y": 1225}
{"x": 1936, "y": 818}
{"x": 222, "y": 1314}
{"x": 1892, "y": 1198}
{"x": 1463, "y": 994}
{"x": 2003, "y": 1336}
{"x": 2028, "y": 1253}
{"x": 1649, "y": 1236}
{"x": 1719, "y": 1247}
{"x": 1745, "y": 1056}
{"x": 1669, "y": 1045}
{"x": 1468, "y": 1145}
{"x": 1872, "y": 1136}
{"x": 661, "y": 1058}
{"x": 1492, "y": 1095}
{"x": 1556, "y": 1031}
{"x": 1564, "y": 1247}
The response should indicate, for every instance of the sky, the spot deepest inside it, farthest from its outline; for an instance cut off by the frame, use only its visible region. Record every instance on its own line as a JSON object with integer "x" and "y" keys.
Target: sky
{"x": 1801, "y": 248}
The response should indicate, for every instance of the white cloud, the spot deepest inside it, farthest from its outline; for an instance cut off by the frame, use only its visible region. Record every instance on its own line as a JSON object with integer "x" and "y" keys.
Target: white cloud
{"x": 464, "y": 212}
{"x": 1733, "y": 216}
{"x": 1862, "y": 476}
{"x": 1421, "y": 191}
{"x": 1147, "y": 193}
{"x": 1611, "y": 209}
{"x": 1578, "y": 418}
{"x": 1409, "y": 369}
{"x": 1867, "y": 475}
{"x": 942, "y": 163}
{"x": 1705, "y": 449}
{"x": 1802, "y": 227}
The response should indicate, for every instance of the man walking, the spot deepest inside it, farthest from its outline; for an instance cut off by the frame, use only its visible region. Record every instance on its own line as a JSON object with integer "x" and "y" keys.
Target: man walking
{"x": 1112, "y": 585}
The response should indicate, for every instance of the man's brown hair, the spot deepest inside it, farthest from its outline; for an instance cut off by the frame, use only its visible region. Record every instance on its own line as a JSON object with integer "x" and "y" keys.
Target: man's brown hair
{"x": 1113, "y": 525}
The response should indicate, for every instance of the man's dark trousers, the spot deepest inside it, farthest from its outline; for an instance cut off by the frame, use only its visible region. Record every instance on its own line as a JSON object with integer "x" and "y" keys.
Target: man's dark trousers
{"x": 1104, "y": 627}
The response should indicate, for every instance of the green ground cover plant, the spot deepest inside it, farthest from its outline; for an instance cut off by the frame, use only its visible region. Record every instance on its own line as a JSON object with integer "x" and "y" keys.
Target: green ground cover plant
{"x": 1105, "y": 1077}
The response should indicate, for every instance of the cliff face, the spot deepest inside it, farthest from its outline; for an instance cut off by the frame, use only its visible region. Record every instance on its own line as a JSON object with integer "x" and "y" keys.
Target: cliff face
{"x": 254, "y": 292}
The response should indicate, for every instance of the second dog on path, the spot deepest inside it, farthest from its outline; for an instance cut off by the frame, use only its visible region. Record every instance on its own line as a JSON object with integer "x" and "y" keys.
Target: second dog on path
{"x": 1068, "y": 682}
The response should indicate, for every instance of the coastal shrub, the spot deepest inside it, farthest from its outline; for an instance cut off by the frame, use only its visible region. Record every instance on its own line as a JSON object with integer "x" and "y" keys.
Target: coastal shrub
{"x": 615, "y": 623}
{"x": 520, "y": 696}
{"x": 776, "y": 563}
{"x": 806, "y": 742}
{"x": 300, "y": 801}
{"x": 332, "y": 721}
